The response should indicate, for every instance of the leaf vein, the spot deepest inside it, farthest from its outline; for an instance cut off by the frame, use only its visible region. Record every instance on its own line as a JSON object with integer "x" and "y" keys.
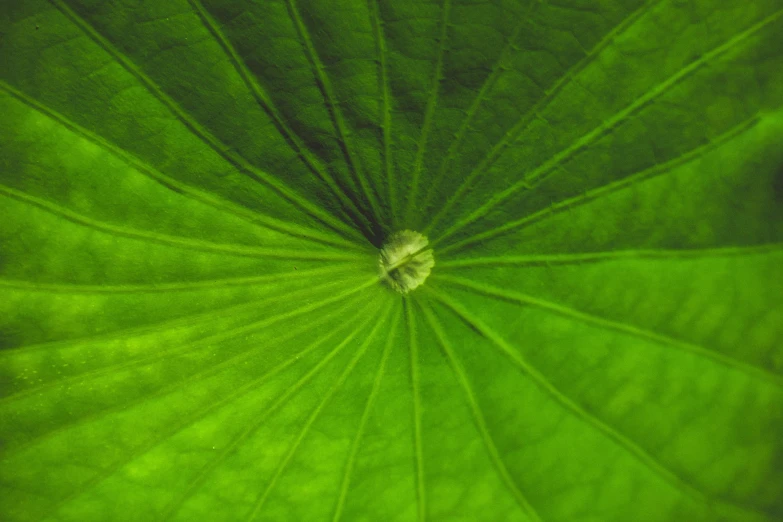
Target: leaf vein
{"x": 165, "y": 353}
{"x": 265, "y": 102}
{"x": 195, "y": 482}
{"x": 610, "y": 432}
{"x": 325, "y": 86}
{"x": 752, "y": 371}
{"x": 236, "y": 160}
{"x": 429, "y": 113}
{"x": 483, "y": 94}
{"x": 169, "y": 240}
{"x": 534, "y": 112}
{"x": 612, "y": 255}
{"x": 351, "y": 461}
{"x": 478, "y": 417}
{"x": 609, "y": 188}
{"x": 385, "y": 103}
{"x": 259, "y": 503}
{"x": 188, "y": 421}
{"x": 252, "y": 217}
{"x": 418, "y": 447}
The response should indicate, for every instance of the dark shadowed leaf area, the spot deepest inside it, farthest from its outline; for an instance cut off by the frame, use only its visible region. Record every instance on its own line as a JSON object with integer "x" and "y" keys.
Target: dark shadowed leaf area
{"x": 391, "y": 260}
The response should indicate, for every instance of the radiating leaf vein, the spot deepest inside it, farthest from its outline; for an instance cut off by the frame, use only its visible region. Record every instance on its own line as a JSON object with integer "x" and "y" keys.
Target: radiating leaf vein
{"x": 569, "y": 405}
{"x": 478, "y": 417}
{"x": 605, "y": 190}
{"x": 214, "y": 201}
{"x": 351, "y": 461}
{"x": 203, "y": 412}
{"x": 611, "y": 255}
{"x": 233, "y": 249}
{"x": 418, "y": 448}
{"x": 266, "y": 104}
{"x": 531, "y": 114}
{"x": 223, "y": 334}
{"x": 608, "y": 125}
{"x": 259, "y": 503}
{"x": 195, "y": 482}
{"x": 429, "y": 114}
{"x": 325, "y": 85}
{"x": 227, "y": 153}
{"x": 754, "y": 372}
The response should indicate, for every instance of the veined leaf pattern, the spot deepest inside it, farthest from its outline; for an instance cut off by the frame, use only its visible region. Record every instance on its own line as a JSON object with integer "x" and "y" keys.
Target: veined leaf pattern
{"x": 195, "y": 195}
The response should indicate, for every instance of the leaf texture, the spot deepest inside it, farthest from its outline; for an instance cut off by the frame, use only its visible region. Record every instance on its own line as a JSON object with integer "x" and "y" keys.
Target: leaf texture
{"x": 194, "y": 195}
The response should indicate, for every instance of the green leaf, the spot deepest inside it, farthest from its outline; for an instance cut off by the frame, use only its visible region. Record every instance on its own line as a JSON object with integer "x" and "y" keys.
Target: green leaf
{"x": 210, "y": 308}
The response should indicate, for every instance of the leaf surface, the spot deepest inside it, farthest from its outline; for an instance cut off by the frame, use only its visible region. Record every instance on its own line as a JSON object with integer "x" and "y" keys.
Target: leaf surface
{"x": 193, "y": 198}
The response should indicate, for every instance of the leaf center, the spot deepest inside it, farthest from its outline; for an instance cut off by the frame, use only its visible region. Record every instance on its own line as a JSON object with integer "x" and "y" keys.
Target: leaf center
{"x": 405, "y": 261}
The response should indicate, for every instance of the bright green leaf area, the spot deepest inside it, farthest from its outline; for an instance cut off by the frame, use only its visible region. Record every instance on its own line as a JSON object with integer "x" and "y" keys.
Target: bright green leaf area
{"x": 194, "y": 195}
